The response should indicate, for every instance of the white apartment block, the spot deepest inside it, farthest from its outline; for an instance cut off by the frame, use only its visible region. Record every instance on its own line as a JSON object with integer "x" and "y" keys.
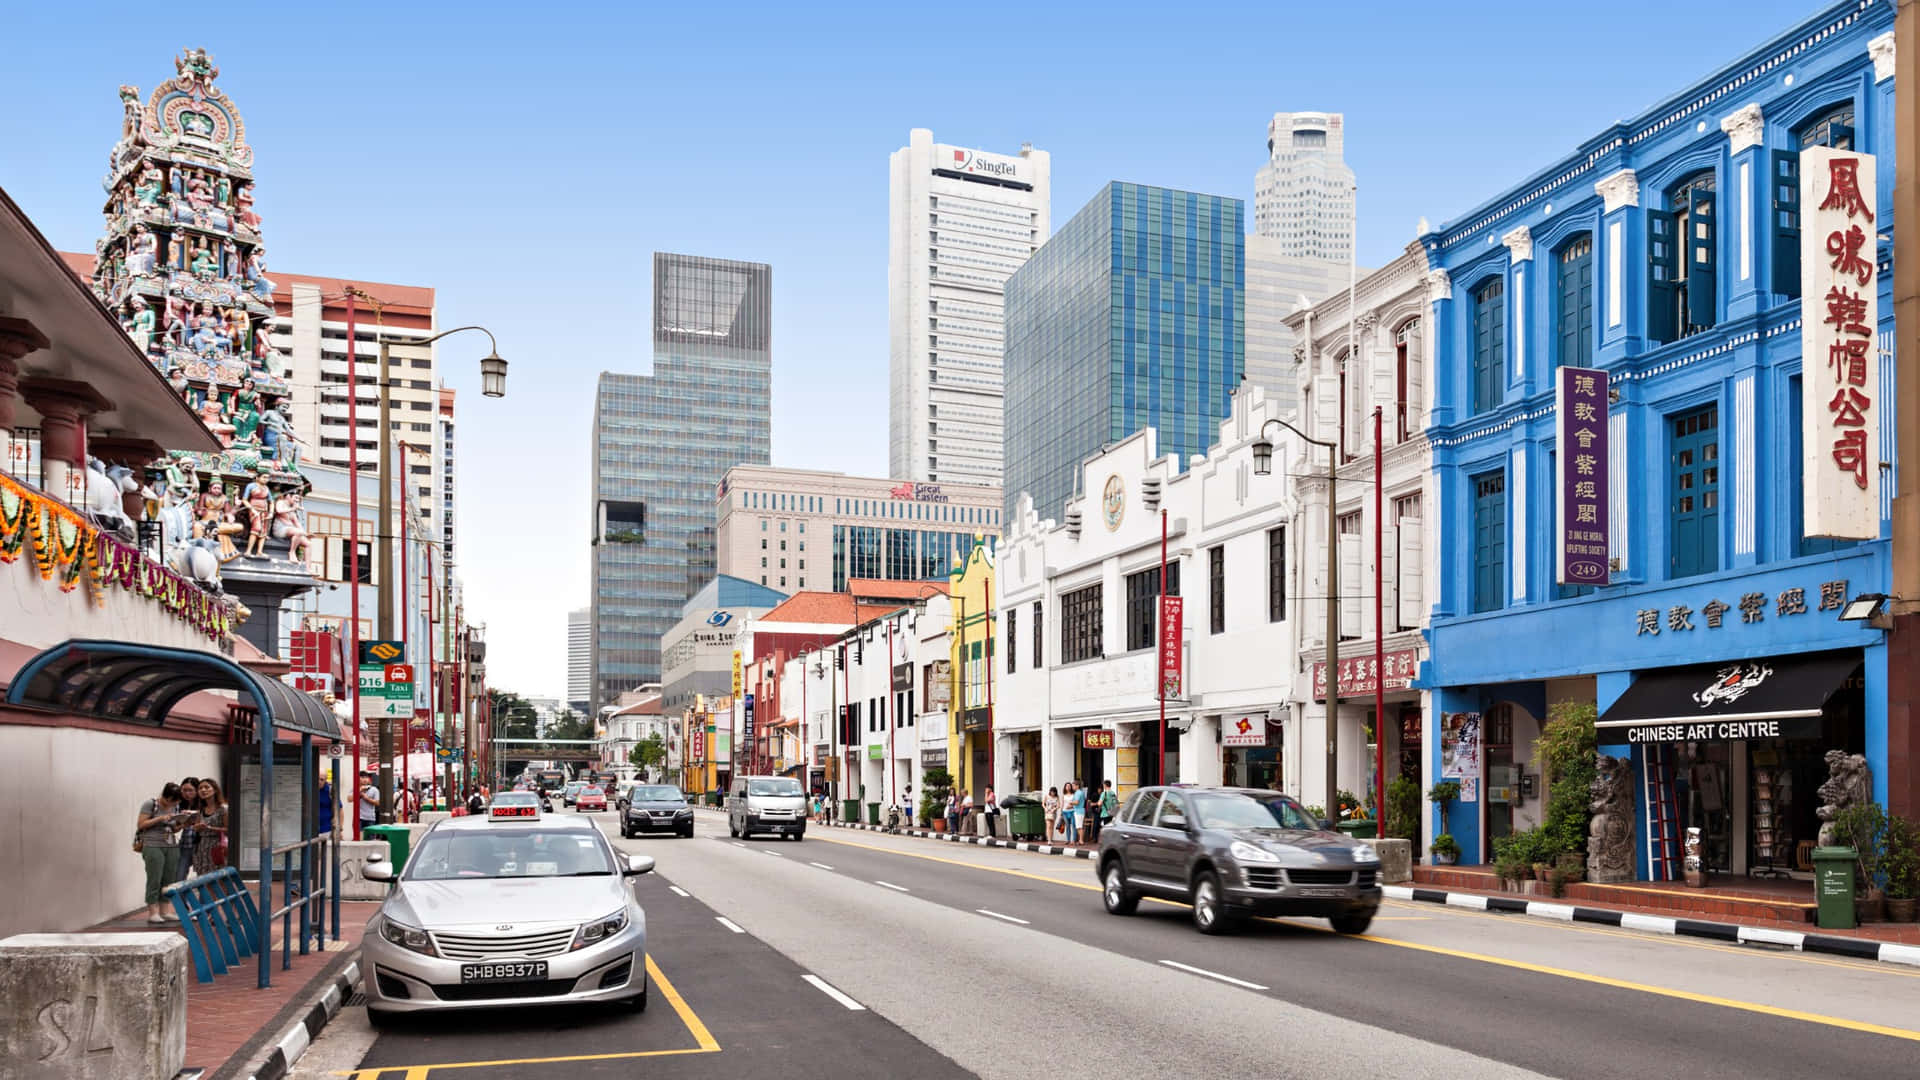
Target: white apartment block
{"x": 1304, "y": 194}
{"x": 959, "y": 223}
{"x": 580, "y": 657}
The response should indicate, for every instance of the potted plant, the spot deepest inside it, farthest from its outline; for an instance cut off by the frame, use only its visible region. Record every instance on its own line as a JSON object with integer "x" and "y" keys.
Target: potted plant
{"x": 1901, "y": 864}
{"x": 1403, "y": 808}
{"x": 1444, "y": 849}
{"x": 1565, "y": 751}
{"x": 1863, "y": 827}
{"x": 935, "y": 785}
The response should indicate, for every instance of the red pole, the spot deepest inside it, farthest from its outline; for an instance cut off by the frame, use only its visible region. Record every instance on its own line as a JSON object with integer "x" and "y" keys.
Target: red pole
{"x": 353, "y": 547}
{"x": 987, "y": 649}
{"x": 893, "y": 764}
{"x": 1379, "y": 646}
{"x": 1160, "y": 768}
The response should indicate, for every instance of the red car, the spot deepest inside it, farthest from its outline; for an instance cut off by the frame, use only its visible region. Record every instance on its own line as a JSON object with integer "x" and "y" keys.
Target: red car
{"x": 591, "y": 798}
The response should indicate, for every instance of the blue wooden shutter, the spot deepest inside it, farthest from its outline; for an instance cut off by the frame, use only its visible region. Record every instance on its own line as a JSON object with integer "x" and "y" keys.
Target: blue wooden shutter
{"x": 1663, "y": 267}
{"x": 1703, "y": 260}
{"x": 1489, "y": 540}
{"x": 1576, "y": 304}
{"x": 1489, "y": 345}
{"x": 1840, "y": 136}
{"x": 1693, "y": 483}
{"x": 1786, "y": 222}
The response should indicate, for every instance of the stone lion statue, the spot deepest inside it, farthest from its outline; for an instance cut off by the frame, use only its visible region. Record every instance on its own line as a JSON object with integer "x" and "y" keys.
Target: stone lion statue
{"x": 1610, "y": 834}
{"x": 1849, "y": 782}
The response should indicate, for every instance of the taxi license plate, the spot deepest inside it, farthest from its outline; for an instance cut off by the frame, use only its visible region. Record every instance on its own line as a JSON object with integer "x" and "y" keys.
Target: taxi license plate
{"x": 521, "y": 971}
{"x": 1330, "y": 891}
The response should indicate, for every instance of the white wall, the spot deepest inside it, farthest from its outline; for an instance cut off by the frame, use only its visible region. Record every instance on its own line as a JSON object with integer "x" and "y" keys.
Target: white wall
{"x": 66, "y": 823}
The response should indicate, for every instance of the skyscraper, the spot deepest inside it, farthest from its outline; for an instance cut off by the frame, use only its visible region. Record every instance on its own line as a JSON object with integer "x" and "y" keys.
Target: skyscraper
{"x": 580, "y": 659}
{"x": 1132, "y": 316}
{"x": 959, "y": 222}
{"x": 661, "y": 444}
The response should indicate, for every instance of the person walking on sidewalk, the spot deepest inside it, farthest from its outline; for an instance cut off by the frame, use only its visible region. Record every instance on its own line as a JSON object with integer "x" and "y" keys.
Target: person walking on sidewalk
{"x": 1070, "y": 802}
{"x": 153, "y": 838}
{"x": 1051, "y": 804}
{"x": 369, "y": 802}
{"x": 189, "y": 836}
{"x": 210, "y": 853}
{"x": 1109, "y": 806}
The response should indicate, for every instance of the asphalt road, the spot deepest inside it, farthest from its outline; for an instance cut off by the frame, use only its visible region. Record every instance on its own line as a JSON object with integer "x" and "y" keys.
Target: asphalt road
{"x": 969, "y": 961}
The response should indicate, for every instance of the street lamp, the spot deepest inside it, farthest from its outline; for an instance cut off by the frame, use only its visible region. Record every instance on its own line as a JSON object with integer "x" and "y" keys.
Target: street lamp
{"x": 1263, "y": 466}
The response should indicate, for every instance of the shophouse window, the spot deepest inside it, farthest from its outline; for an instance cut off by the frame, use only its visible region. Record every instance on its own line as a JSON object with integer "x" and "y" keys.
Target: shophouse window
{"x": 1217, "y": 589}
{"x": 1409, "y": 377}
{"x": 1039, "y": 642}
{"x": 1574, "y": 299}
{"x": 1489, "y": 541}
{"x": 1799, "y": 542}
{"x": 1080, "y": 619}
{"x": 1682, "y": 261}
{"x": 1348, "y": 524}
{"x": 1833, "y": 128}
{"x": 1143, "y": 604}
{"x": 1693, "y": 483}
{"x": 1013, "y": 638}
{"x": 1489, "y": 344}
{"x": 1277, "y": 574}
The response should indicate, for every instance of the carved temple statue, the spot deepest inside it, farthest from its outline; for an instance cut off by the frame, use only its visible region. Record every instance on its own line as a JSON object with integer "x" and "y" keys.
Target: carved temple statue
{"x": 1610, "y": 833}
{"x": 1849, "y": 782}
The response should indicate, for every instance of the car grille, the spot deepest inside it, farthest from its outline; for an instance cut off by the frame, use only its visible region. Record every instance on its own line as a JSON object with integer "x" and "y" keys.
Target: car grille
{"x": 1367, "y": 878}
{"x": 1263, "y": 877}
{"x": 775, "y": 813}
{"x": 530, "y": 946}
{"x": 495, "y": 991}
{"x": 1320, "y": 877}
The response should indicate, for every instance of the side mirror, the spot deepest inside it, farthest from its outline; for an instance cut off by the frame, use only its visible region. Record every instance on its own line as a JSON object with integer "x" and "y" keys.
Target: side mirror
{"x": 638, "y": 864}
{"x": 377, "y": 868}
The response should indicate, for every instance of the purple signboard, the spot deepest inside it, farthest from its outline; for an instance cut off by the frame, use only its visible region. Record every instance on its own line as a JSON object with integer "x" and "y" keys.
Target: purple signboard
{"x": 1580, "y": 513}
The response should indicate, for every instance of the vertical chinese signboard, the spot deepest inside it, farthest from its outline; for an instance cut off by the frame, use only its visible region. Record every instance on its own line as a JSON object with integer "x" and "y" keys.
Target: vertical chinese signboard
{"x": 1170, "y": 646}
{"x": 1580, "y": 510}
{"x": 1839, "y": 366}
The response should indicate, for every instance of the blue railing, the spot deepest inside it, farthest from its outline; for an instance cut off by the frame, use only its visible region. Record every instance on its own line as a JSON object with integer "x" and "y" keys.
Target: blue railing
{"x": 222, "y": 923}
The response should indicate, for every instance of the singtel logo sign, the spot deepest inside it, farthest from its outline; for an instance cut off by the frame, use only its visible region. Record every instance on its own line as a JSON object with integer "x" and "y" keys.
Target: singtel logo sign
{"x": 968, "y": 161}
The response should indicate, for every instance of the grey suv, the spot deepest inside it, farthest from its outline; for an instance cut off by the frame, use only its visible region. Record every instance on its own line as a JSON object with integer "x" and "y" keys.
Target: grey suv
{"x": 1235, "y": 852}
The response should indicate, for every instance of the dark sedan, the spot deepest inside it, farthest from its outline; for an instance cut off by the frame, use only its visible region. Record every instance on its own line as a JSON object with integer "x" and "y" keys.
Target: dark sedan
{"x": 1233, "y": 852}
{"x": 656, "y": 808}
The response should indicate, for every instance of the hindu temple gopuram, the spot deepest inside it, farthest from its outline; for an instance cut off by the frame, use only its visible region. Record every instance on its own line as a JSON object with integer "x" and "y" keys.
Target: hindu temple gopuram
{"x": 183, "y": 266}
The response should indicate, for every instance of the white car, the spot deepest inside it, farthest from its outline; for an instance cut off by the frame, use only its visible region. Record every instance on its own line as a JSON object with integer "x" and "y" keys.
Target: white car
{"x": 507, "y": 908}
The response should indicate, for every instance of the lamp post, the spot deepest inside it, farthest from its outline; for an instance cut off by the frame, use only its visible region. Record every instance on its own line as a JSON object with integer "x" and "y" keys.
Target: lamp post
{"x": 1263, "y": 466}
{"x": 493, "y": 383}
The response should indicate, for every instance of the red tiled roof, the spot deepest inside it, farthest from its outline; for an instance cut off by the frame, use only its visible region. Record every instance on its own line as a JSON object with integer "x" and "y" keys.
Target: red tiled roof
{"x": 814, "y": 607}
{"x": 876, "y": 589}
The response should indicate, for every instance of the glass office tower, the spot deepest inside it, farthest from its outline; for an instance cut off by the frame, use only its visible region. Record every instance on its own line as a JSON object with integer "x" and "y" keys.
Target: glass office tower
{"x": 661, "y": 444}
{"x": 1133, "y": 315}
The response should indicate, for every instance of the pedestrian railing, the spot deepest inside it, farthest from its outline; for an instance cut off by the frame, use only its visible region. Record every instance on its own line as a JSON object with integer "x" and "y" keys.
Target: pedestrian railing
{"x": 219, "y": 920}
{"x": 222, "y": 921}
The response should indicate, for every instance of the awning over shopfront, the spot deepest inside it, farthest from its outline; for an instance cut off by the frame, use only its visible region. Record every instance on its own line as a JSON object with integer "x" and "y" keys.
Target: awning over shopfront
{"x": 1772, "y": 698}
{"x": 140, "y": 684}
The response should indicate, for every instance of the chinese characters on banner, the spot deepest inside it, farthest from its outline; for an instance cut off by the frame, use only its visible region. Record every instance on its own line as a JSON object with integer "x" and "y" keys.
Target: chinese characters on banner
{"x": 1170, "y": 646}
{"x": 748, "y": 701}
{"x": 1580, "y": 513}
{"x": 1097, "y": 738}
{"x": 1359, "y": 675}
{"x": 1840, "y": 364}
{"x": 736, "y": 673}
{"x": 697, "y": 743}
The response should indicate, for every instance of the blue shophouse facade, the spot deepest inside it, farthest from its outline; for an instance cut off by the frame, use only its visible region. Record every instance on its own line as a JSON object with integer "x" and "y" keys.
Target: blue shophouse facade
{"x": 1665, "y": 251}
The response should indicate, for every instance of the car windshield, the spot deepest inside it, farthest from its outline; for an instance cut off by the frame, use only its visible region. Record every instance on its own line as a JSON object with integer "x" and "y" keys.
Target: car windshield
{"x": 500, "y": 852}
{"x": 775, "y": 787}
{"x": 657, "y": 794}
{"x": 1221, "y": 811}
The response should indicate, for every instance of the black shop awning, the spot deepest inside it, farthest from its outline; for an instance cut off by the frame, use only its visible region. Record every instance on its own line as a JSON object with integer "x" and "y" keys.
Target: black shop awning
{"x": 1772, "y": 697}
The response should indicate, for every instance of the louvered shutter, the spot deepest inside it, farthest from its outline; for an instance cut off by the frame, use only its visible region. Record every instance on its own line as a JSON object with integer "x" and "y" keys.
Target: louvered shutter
{"x": 1785, "y": 179}
{"x": 1352, "y": 587}
{"x": 1389, "y": 556}
{"x": 1703, "y": 259}
{"x": 1411, "y": 587}
{"x": 1663, "y": 268}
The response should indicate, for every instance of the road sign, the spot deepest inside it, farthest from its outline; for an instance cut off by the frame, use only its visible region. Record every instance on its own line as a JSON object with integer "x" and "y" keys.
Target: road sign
{"x": 337, "y": 750}
{"x": 380, "y": 652}
{"x": 380, "y": 699}
{"x": 399, "y": 673}
{"x": 448, "y": 753}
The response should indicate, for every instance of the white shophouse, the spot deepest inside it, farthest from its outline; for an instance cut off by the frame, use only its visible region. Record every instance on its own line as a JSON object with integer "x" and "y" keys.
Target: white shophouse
{"x": 1349, "y": 368}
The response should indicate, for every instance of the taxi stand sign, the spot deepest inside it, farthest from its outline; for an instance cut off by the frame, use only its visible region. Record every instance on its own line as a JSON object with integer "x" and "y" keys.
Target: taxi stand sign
{"x": 386, "y": 691}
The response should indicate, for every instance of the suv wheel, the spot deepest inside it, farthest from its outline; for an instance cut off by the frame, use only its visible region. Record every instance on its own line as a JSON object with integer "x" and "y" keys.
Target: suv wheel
{"x": 1210, "y": 914}
{"x": 1120, "y": 900}
{"x": 1355, "y": 923}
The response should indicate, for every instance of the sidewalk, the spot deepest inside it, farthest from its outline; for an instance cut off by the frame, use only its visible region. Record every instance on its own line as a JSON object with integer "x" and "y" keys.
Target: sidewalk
{"x": 231, "y": 1023}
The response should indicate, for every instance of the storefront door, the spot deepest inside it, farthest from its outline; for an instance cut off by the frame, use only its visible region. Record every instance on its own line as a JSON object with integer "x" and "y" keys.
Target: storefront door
{"x": 1501, "y": 779}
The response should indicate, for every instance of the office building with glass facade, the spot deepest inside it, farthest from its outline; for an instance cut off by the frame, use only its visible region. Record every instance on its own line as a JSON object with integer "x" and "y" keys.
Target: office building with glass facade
{"x": 1133, "y": 315}
{"x": 662, "y": 443}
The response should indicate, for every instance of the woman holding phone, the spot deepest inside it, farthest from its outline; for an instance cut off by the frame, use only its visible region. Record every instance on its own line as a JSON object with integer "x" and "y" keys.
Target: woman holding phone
{"x": 153, "y": 838}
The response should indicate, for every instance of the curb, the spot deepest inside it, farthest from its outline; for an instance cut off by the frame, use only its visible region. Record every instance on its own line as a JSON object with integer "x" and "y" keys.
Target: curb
{"x": 1886, "y": 952}
{"x": 288, "y": 1048}
{"x": 978, "y": 841}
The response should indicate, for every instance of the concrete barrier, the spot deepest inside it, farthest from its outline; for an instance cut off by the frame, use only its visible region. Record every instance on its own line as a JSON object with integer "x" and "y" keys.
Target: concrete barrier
{"x": 93, "y": 1006}
{"x": 1396, "y": 860}
{"x": 427, "y": 817}
{"x": 353, "y": 856}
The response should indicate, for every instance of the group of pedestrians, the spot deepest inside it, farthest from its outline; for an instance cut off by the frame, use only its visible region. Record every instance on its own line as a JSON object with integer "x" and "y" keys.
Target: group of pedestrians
{"x": 181, "y": 833}
{"x": 960, "y": 806}
{"x": 1076, "y": 812}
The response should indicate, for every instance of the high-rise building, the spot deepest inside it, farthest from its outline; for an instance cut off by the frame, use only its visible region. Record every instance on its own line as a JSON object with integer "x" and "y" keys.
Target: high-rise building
{"x": 1132, "y": 316}
{"x": 443, "y": 453}
{"x": 580, "y": 658}
{"x": 808, "y": 529}
{"x": 1303, "y": 195}
{"x": 959, "y": 222}
{"x": 661, "y": 444}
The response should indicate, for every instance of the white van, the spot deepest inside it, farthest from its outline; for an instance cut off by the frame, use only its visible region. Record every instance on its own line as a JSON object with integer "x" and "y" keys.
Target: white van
{"x": 769, "y": 804}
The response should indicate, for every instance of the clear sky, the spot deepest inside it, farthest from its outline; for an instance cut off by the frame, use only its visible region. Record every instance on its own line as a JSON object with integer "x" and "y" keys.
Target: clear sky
{"x": 526, "y": 160}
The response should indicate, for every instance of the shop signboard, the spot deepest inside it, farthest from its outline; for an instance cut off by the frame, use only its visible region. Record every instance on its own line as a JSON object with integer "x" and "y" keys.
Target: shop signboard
{"x": 1096, "y": 738}
{"x": 1839, "y": 322}
{"x": 1460, "y": 746}
{"x": 1247, "y": 729}
{"x": 933, "y": 757}
{"x": 1170, "y": 612}
{"x": 902, "y": 677}
{"x": 736, "y": 673}
{"x": 747, "y": 709}
{"x": 1581, "y": 543}
{"x": 975, "y": 719}
{"x": 1359, "y": 675}
{"x": 939, "y": 684}
{"x": 876, "y": 752}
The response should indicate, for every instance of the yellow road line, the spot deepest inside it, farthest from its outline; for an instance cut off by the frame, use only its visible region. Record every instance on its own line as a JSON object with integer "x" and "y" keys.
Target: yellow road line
{"x": 704, "y": 1038}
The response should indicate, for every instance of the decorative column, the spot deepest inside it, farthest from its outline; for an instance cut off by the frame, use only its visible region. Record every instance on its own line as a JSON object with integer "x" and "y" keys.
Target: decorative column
{"x": 1622, "y": 252}
{"x": 1441, "y": 342}
{"x": 1747, "y": 186}
{"x": 64, "y": 406}
{"x": 1519, "y": 242}
{"x": 18, "y": 337}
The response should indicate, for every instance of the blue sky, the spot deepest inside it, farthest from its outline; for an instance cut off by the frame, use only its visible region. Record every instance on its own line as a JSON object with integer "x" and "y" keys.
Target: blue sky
{"x": 526, "y": 160}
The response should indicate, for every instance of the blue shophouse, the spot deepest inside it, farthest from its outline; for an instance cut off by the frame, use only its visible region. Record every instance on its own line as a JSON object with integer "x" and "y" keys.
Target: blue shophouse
{"x": 1665, "y": 251}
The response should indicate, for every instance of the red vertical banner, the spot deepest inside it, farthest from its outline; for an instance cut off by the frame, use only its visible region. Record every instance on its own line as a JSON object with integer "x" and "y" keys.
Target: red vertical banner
{"x": 1170, "y": 666}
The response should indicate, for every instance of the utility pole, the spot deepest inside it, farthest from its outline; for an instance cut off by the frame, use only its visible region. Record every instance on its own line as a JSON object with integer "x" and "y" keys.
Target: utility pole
{"x": 1903, "y": 642}
{"x": 384, "y": 567}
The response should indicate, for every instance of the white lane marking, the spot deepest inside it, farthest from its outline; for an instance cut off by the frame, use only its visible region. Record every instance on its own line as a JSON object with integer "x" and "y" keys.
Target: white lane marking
{"x": 677, "y": 890}
{"x": 1212, "y": 975}
{"x": 737, "y": 843}
{"x": 729, "y": 924}
{"x": 770, "y": 851}
{"x": 1004, "y": 918}
{"x": 828, "y": 989}
{"x": 891, "y": 885}
{"x": 822, "y": 866}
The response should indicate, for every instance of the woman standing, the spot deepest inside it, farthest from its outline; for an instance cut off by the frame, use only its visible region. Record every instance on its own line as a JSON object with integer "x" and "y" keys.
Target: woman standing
{"x": 210, "y": 853}
{"x": 1070, "y": 812}
{"x": 189, "y": 836}
{"x": 1051, "y": 804}
{"x": 153, "y": 839}
{"x": 992, "y": 807}
{"x": 953, "y": 813}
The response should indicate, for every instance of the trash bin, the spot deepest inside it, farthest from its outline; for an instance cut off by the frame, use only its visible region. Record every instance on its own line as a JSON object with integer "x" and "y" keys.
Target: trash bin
{"x": 873, "y": 813}
{"x": 1833, "y": 886}
{"x": 850, "y": 810}
{"x": 1026, "y": 820}
{"x": 397, "y": 837}
{"x": 1363, "y": 829}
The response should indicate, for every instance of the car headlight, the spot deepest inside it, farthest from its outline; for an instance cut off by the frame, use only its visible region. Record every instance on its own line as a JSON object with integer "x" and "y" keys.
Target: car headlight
{"x": 1365, "y": 853}
{"x": 1246, "y": 852}
{"x": 407, "y": 937}
{"x": 600, "y": 930}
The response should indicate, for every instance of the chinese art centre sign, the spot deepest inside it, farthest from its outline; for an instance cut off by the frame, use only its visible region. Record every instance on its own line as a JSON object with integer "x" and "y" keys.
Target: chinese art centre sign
{"x": 1839, "y": 365}
{"x": 1580, "y": 513}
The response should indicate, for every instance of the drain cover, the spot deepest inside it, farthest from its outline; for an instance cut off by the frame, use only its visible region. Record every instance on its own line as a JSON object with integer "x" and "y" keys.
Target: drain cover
{"x": 359, "y": 998}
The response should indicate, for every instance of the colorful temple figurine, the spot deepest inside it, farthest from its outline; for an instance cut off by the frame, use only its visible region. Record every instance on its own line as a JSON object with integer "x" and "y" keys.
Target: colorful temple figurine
{"x": 259, "y": 501}
{"x": 289, "y": 525}
{"x": 277, "y": 440}
{"x": 146, "y": 190}
{"x": 214, "y": 414}
{"x": 257, "y": 274}
{"x": 246, "y": 412}
{"x": 141, "y": 329}
{"x": 204, "y": 265}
